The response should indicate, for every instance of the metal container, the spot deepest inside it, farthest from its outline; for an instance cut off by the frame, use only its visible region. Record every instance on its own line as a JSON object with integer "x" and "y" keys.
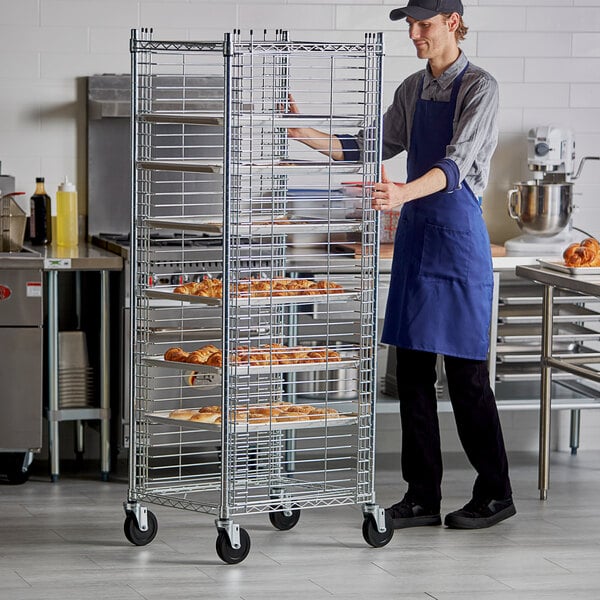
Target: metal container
{"x": 542, "y": 209}
{"x": 333, "y": 383}
{"x": 12, "y": 225}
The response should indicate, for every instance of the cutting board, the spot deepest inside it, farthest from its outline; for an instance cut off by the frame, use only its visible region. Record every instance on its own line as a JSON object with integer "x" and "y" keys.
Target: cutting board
{"x": 387, "y": 250}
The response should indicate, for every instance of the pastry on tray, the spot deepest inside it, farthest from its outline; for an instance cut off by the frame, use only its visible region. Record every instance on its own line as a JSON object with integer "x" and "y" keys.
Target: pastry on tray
{"x": 260, "y": 288}
{"x": 265, "y": 355}
{"x": 584, "y": 254}
{"x": 279, "y": 412}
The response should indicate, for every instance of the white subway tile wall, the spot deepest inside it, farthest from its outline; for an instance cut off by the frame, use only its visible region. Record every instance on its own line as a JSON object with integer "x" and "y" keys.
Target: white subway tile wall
{"x": 544, "y": 53}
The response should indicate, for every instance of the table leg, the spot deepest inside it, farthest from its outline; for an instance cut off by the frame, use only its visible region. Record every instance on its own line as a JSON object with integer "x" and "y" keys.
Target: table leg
{"x": 575, "y": 429}
{"x": 546, "y": 388}
{"x": 104, "y": 375}
{"x": 492, "y": 356}
{"x": 53, "y": 436}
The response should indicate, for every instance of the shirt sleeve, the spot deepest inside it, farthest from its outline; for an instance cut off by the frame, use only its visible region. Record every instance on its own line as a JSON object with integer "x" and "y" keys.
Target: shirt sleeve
{"x": 394, "y": 132}
{"x": 350, "y": 147}
{"x": 475, "y": 134}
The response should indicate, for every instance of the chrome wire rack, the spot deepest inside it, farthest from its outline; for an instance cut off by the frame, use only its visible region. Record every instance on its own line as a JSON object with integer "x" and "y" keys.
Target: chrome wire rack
{"x": 253, "y": 354}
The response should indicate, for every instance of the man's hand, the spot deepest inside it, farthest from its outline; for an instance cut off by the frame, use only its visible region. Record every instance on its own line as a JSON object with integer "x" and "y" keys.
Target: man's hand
{"x": 387, "y": 195}
{"x": 292, "y": 109}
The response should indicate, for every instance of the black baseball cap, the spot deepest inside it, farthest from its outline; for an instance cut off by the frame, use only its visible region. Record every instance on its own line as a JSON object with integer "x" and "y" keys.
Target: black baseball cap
{"x": 425, "y": 9}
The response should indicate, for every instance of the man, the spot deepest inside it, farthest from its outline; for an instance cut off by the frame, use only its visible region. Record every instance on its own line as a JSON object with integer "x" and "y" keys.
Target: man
{"x": 441, "y": 287}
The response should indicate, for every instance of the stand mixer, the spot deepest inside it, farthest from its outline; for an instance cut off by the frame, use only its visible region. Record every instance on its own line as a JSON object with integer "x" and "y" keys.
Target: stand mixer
{"x": 543, "y": 206}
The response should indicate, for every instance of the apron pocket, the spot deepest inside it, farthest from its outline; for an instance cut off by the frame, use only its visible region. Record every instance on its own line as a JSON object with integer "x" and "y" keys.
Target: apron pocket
{"x": 446, "y": 253}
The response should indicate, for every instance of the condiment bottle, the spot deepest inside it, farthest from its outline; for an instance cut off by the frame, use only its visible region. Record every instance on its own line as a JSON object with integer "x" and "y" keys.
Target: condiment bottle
{"x": 67, "y": 233}
{"x": 40, "y": 222}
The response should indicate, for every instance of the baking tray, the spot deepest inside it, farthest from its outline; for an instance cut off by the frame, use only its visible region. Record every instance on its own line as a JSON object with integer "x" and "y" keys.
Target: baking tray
{"x": 282, "y": 166}
{"x": 167, "y": 293}
{"x": 560, "y": 266}
{"x": 268, "y": 227}
{"x": 194, "y": 166}
{"x": 286, "y": 164}
{"x": 277, "y": 120}
{"x": 241, "y": 369}
{"x": 345, "y": 419}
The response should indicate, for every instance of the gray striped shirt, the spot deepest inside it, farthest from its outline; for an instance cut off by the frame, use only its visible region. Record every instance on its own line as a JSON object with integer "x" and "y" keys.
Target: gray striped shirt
{"x": 475, "y": 120}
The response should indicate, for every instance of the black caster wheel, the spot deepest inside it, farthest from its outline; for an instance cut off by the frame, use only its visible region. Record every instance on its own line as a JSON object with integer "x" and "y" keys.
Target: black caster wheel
{"x": 373, "y": 536}
{"x": 79, "y": 463}
{"x": 17, "y": 477}
{"x": 11, "y": 467}
{"x": 227, "y": 553}
{"x": 135, "y": 535}
{"x": 283, "y": 522}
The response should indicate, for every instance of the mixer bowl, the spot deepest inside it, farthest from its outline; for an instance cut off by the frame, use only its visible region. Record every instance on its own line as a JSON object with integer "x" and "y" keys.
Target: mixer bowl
{"x": 542, "y": 209}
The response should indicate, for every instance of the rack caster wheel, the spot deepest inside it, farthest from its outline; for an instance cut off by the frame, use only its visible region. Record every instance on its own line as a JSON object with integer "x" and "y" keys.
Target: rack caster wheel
{"x": 133, "y": 532}
{"x": 12, "y": 467}
{"x": 283, "y": 522}
{"x": 373, "y": 536}
{"x": 17, "y": 477}
{"x": 227, "y": 553}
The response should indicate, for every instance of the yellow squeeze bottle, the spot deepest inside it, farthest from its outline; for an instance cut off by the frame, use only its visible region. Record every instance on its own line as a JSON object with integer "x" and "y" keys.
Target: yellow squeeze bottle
{"x": 67, "y": 233}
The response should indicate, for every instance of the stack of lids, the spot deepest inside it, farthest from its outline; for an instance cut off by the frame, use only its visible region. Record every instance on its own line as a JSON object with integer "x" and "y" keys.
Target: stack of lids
{"x": 75, "y": 376}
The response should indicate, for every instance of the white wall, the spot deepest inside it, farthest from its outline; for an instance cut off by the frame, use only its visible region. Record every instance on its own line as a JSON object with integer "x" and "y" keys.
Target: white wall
{"x": 544, "y": 53}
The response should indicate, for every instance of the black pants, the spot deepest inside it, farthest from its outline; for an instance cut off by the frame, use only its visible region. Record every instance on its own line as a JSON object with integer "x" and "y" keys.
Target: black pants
{"x": 476, "y": 418}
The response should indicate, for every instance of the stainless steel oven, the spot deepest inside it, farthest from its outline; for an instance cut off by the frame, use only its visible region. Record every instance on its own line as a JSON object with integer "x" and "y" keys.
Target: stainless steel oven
{"x": 21, "y": 366}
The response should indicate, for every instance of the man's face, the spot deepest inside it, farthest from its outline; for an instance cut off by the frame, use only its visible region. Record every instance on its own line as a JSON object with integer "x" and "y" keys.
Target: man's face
{"x": 431, "y": 37}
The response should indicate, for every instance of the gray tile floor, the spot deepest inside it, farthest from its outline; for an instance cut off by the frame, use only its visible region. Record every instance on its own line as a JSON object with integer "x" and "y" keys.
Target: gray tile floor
{"x": 65, "y": 540}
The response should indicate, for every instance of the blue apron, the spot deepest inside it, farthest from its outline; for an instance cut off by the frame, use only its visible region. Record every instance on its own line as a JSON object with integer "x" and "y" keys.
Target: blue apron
{"x": 440, "y": 297}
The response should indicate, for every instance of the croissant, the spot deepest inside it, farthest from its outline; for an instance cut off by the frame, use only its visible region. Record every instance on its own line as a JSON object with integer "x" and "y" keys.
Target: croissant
{"x": 592, "y": 244}
{"x": 333, "y": 356}
{"x": 585, "y": 254}
{"x": 570, "y": 251}
{"x": 259, "y": 358}
{"x": 176, "y": 354}
{"x": 215, "y": 359}
{"x": 213, "y": 287}
{"x": 182, "y": 289}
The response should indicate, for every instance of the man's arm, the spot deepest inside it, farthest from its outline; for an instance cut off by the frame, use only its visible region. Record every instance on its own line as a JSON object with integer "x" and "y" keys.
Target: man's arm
{"x": 327, "y": 144}
{"x": 388, "y": 195}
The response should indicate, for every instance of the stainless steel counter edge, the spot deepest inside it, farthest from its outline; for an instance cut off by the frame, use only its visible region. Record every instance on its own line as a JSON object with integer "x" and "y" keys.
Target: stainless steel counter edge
{"x": 84, "y": 257}
{"x": 309, "y": 261}
{"x": 345, "y": 264}
{"x": 585, "y": 284}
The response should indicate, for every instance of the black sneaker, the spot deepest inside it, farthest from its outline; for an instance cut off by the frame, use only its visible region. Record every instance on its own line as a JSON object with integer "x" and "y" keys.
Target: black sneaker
{"x": 478, "y": 514}
{"x": 407, "y": 513}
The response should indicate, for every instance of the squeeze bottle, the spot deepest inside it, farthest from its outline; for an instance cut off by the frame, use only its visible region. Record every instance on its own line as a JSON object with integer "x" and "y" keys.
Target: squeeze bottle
{"x": 67, "y": 233}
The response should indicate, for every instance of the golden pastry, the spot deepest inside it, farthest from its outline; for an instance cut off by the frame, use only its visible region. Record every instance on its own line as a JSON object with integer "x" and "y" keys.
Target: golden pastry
{"x": 183, "y": 414}
{"x": 289, "y": 415}
{"x": 215, "y": 359}
{"x": 210, "y": 409}
{"x": 205, "y": 417}
{"x": 175, "y": 354}
{"x": 585, "y": 254}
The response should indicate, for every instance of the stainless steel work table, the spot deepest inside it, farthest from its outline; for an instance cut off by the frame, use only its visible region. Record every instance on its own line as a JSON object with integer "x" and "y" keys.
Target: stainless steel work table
{"x": 84, "y": 257}
{"x": 551, "y": 279}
